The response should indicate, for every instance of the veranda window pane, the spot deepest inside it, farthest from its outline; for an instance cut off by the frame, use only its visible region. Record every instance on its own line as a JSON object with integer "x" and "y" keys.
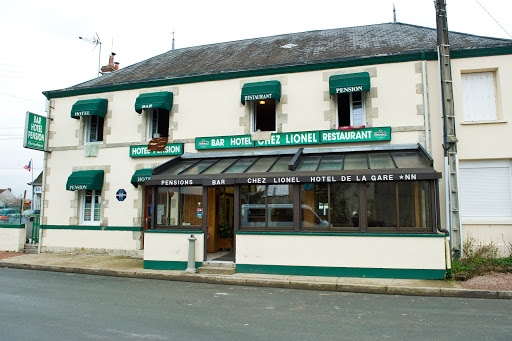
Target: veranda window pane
{"x": 412, "y": 159}
{"x": 315, "y": 206}
{"x": 355, "y": 161}
{"x": 252, "y": 200}
{"x": 220, "y": 166}
{"x": 180, "y": 166}
{"x": 190, "y": 200}
{"x": 309, "y": 163}
{"x": 178, "y": 206}
{"x": 199, "y": 167}
{"x": 413, "y": 204}
{"x": 331, "y": 162}
{"x": 262, "y": 165}
{"x": 380, "y": 161}
{"x": 281, "y": 164}
{"x": 241, "y": 165}
{"x": 381, "y": 204}
{"x": 344, "y": 205}
{"x": 280, "y": 205}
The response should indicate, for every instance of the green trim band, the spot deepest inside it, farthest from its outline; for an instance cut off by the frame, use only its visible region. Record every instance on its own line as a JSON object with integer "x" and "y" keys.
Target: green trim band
{"x": 398, "y": 58}
{"x": 173, "y": 231}
{"x": 92, "y": 228}
{"x": 167, "y": 265}
{"x": 341, "y": 272}
{"x": 341, "y": 234}
{"x": 11, "y": 226}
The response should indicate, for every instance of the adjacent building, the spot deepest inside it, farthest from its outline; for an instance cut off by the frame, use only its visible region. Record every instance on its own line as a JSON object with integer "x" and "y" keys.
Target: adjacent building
{"x": 308, "y": 153}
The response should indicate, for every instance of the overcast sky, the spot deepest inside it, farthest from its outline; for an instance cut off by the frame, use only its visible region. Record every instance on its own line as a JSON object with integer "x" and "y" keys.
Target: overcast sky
{"x": 40, "y": 48}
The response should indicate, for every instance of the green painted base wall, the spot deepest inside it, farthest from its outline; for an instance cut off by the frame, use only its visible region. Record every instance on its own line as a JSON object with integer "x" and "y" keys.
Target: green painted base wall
{"x": 167, "y": 265}
{"x": 11, "y": 226}
{"x": 92, "y": 228}
{"x": 341, "y": 272}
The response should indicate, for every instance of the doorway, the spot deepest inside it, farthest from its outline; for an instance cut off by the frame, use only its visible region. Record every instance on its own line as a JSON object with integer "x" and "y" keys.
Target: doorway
{"x": 220, "y": 245}
{"x": 148, "y": 207}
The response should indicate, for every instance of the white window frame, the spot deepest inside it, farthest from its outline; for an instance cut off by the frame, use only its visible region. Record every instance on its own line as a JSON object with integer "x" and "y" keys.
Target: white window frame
{"x": 96, "y": 195}
{"x": 363, "y": 107}
{"x": 87, "y": 129}
{"x": 253, "y": 118}
{"x": 475, "y": 91}
{"x": 482, "y": 164}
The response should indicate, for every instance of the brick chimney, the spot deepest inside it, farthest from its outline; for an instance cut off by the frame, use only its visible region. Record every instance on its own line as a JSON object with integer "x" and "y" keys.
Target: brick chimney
{"x": 112, "y": 66}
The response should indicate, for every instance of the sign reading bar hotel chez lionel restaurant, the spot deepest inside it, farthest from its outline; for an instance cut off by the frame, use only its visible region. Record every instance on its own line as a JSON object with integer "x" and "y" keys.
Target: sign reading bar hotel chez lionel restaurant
{"x": 296, "y": 138}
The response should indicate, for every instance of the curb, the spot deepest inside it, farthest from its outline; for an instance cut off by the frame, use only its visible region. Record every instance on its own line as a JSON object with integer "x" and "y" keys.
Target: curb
{"x": 275, "y": 283}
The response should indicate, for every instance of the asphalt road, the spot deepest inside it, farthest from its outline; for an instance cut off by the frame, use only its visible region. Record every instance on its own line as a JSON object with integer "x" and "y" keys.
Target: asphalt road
{"x": 38, "y": 305}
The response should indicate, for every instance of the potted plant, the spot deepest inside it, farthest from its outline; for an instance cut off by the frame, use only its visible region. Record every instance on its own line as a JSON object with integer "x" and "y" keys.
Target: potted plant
{"x": 226, "y": 236}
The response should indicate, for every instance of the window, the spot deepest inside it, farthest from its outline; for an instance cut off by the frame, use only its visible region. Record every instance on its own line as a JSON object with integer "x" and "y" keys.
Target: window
{"x": 179, "y": 206}
{"x": 94, "y": 128}
{"x": 157, "y": 123}
{"x": 330, "y": 206}
{"x": 485, "y": 188}
{"x": 91, "y": 206}
{"x": 267, "y": 206}
{"x": 264, "y": 115}
{"x": 402, "y": 205}
{"x": 479, "y": 96}
{"x": 351, "y": 109}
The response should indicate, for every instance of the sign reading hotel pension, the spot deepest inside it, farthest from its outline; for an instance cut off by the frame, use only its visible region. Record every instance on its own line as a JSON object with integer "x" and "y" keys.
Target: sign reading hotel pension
{"x": 296, "y": 138}
{"x": 170, "y": 149}
{"x": 35, "y": 131}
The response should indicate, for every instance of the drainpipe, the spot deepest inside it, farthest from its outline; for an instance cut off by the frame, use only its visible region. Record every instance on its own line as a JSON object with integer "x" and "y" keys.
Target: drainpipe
{"x": 45, "y": 158}
{"x": 426, "y": 106}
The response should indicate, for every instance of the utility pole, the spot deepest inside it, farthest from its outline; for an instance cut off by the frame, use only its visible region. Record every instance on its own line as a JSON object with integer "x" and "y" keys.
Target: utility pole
{"x": 451, "y": 166}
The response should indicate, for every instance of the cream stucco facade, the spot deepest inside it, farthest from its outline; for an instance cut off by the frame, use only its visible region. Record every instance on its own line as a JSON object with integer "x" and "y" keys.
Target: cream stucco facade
{"x": 403, "y": 95}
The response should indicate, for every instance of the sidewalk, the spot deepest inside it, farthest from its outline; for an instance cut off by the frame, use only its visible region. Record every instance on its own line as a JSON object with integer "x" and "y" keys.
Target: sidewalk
{"x": 131, "y": 267}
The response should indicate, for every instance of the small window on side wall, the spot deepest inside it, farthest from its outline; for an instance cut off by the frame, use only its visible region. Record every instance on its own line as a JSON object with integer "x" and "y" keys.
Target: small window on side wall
{"x": 157, "y": 123}
{"x": 90, "y": 207}
{"x": 351, "y": 109}
{"x": 479, "y": 96}
{"x": 94, "y": 128}
{"x": 264, "y": 115}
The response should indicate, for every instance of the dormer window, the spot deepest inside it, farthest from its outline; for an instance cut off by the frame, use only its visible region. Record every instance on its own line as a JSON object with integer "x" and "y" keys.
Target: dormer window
{"x": 263, "y": 97}
{"x": 349, "y": 91}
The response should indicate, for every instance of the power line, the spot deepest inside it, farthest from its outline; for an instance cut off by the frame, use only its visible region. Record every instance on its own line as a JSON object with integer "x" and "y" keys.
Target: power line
{"x": 26, "y": 99}
{"x": 494, "y": 19}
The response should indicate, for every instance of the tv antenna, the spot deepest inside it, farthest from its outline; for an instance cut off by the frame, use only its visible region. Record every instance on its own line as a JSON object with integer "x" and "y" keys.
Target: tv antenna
{"x": 95, "y": 40}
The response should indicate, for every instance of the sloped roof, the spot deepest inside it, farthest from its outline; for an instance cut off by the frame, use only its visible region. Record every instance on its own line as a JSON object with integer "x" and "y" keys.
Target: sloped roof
{"x": 313, "y": 47}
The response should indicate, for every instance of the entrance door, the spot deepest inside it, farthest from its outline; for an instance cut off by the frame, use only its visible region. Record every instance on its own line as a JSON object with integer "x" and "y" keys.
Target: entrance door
{"x": 148, "y": 206}
{"x": 220, "y": 237}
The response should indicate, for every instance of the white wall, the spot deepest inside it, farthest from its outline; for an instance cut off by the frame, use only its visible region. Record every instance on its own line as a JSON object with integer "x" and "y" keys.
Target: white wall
{"x": 171, "y": 246}
{"x": 62, "y": 240}
{"x": 342, "y": 251}
{"x": 12, "y": 239}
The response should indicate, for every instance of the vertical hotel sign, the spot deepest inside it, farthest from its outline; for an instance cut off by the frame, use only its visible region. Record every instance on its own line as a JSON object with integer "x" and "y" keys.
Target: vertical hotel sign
{"x": 35, "y": 131}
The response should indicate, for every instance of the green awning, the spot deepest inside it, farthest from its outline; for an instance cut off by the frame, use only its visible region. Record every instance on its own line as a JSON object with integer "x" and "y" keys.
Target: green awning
{"x": 140, "y": 176}
{"x": 154, "y": 100}
{"x": 89, "y": 107}
{"x": 352, "y": 82}
{"x": 88, "y": 180}
{"x": 261, "y": 90}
